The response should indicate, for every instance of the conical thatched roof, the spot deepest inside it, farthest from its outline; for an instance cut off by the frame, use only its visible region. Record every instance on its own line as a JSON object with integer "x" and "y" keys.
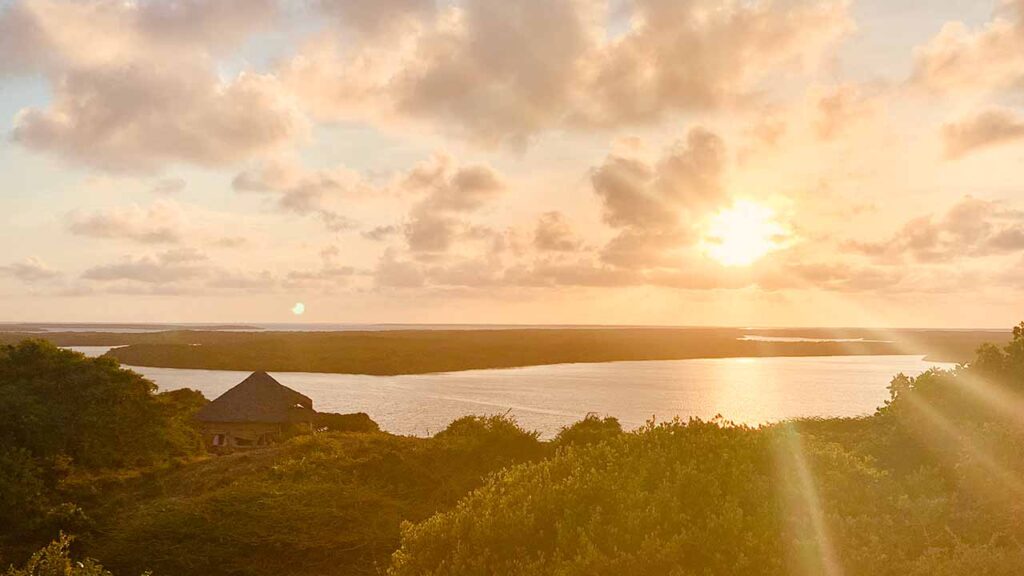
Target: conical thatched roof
{"x": 259, "y": 398}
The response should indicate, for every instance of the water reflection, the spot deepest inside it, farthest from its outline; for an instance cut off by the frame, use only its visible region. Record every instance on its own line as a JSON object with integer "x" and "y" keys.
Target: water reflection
{"x": 545, "y": 398}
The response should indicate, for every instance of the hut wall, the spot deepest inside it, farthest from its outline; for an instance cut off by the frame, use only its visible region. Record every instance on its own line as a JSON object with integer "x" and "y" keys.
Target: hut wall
{"x": 243, "y": 435}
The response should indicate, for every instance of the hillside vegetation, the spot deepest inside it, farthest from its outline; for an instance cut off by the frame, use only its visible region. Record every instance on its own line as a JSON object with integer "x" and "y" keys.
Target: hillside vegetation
{"x": 329, "y": 504}
{"x": 929, "y": 485}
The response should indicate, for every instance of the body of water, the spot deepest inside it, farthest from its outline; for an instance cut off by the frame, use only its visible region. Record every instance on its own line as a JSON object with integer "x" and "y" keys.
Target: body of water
{"x": 545, "y": 398}
{"x": 754, "y": 338}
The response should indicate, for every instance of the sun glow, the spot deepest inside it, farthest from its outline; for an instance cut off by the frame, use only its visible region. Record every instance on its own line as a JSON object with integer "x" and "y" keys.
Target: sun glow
{"x": 743, "y": 234}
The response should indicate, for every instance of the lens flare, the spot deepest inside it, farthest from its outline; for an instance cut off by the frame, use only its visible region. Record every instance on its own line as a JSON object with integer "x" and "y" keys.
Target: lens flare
{"x": 803, "y": 501}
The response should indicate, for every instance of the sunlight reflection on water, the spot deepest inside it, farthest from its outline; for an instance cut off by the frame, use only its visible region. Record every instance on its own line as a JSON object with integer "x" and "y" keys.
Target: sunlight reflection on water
{"x": 545, "y": 398}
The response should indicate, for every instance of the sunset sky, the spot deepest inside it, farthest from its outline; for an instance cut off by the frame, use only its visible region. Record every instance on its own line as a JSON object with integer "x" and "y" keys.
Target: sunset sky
{"x": 746, "y": 162}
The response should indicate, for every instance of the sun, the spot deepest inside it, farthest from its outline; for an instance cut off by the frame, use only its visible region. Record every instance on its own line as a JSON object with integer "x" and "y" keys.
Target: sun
{"x": 299, "y": 309}
{"x": 743, "y": 234}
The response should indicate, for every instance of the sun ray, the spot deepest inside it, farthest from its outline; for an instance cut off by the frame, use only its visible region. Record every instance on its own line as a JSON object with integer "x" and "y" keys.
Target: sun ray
{"x": 791, "y": 460}
{"x": 996, "y": 399}
{"x": 942, "y": 434}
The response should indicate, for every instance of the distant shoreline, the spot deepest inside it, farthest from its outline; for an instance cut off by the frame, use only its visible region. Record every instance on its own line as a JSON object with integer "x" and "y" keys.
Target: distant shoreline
{"x": 56, "y": 327}
{"x": 400, "y": 352}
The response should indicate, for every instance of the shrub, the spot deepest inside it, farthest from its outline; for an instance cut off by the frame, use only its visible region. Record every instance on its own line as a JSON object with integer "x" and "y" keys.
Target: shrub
{"x": 591, "y": 430}
{"x": 56, "y": 403}
{"x": 55, "y": 560}
{"x": 358, "y": 422}
{"x": 694, "y": 495}
{"x": 62, "y": 413}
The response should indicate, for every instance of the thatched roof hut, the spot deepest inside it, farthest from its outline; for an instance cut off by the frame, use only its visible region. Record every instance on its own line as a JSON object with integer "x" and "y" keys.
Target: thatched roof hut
{"x": 259, "y": 398}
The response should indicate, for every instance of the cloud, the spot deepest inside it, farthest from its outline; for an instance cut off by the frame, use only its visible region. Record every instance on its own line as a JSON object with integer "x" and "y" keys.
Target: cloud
{"x": 168, "y": 186}
{"x": 636, "y": 194}
{"x": 231, "y": 241}
{"x": 839, "y": 108}
{"x": 986, "y": 129}
{"x": 30, "y": 271}
{"x": 554, "y": 234}
{"x": 959, "y": 59}
{"x": 970, "y": 228}
{"x": 687, "y": 56}
{"x": 428, "y": 232}
{"x": 165, "y": 268}
{"x": 582, "y": 273}
{"x": 380, "y": 233}
{"x": 498, "y": 73}
{"x": 392, "y": 272}
{"x": 472, "y": 273}
{"x": 163, "y": 222}
{"x": 690, "y": 172}
{"x": 655, "y": 205}
{"x": 453, "y": 189}
{"x": 262, "y": 281}
{"x": 838, "y": 276}
{"x": 373, "y": 17}
{"x": 302, "y": 191}
{"x": 628, "y": 197}
{"x": 147, "y": 92}
{"x": 647, "y": 248}
{"x": 330, "y": 273}
{"x": 139, "y": 119}
{"x": 335, "y": 274}
{"x": 450, "y": 193}
{"x": 49, "y": 34}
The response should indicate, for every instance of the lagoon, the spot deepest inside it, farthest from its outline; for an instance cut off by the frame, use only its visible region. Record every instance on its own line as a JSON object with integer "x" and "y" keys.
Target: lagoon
{"x": 545, "y": 398}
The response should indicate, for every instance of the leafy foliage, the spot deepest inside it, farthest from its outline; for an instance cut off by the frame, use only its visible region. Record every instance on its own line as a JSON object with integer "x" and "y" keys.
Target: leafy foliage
{"x": 357, "y": 422}
{"x": 325, "y": 504}
{"x": 61, "y": 412}
{"x": 591, "y": 430}
{"x": 56, "y": 403}
{"x": 932, "y": 484}
{"x": 55, "y": 560}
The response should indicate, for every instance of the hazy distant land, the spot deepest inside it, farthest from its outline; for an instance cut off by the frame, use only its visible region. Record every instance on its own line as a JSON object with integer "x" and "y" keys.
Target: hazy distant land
{"x": 424, "y": 351}
{"x": 57, "y": 327}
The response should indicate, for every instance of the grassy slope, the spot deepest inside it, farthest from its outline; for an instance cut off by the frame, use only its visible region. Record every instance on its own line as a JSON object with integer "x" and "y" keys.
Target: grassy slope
{"x": 334, "y": 505}
{"x": 326, "y": 505}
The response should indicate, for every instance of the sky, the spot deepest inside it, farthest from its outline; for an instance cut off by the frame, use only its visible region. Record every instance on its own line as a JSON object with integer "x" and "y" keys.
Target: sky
{"x": 664, "y": 162}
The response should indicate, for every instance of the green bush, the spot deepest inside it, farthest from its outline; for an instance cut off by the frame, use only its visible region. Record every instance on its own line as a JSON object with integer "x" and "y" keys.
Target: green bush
{"x": 591, "y": 430}
{"x": 57, "y": 403}
{"x": 62, "y": 413}
{"x": 55, "y": 560}
{"x": 358, "y": 422}
{"x": 331, "y": 503}
{"x": 970, "y": 560}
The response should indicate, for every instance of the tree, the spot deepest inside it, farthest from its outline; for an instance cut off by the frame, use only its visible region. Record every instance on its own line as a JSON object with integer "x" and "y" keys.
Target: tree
{"x": 56, "y": 403}
{"x": 60, "y": 412}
